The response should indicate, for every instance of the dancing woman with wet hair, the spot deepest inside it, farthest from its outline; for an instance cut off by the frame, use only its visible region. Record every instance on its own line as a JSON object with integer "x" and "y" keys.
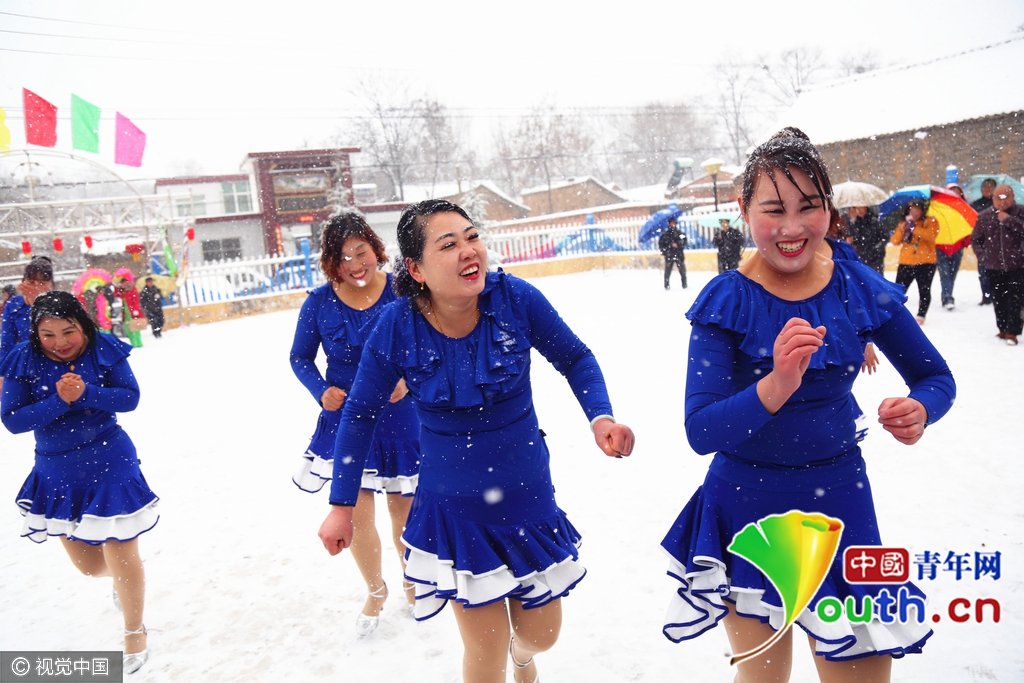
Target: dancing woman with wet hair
{"x": 66, "y": 383}
{"x": 338, "y": 316}
{"x": 37, "y": 279}
{"x": 484, "y": 531}
{"x": 774, "y": 351}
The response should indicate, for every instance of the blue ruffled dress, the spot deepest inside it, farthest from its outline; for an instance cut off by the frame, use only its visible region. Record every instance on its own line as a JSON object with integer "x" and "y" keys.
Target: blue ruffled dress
{"x": 86, "y": 483}
{"x": 806, "y": 457}
{"x": 15, "y": 325}
{"x": 484, "y": 525}
{"x": 393, "y": 463}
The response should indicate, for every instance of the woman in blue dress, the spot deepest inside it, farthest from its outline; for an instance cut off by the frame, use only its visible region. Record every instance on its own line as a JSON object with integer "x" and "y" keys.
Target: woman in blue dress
{"x": 14, "y": 328}
{"x": 66, "y": 384}
{"x": 338, "y": 316}
{"x": 484, "y": 531}
{"x": 774, "y": 352}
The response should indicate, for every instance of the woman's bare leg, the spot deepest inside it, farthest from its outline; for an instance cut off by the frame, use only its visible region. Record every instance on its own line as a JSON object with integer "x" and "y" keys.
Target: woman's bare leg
{"x": 485, "y": 635}
{"x": 398, "y": 508}
{"x": 876, "y": 669}
{"x": 535, "y": 630}
{"x": 88, "y": 559}
{"x": 365, "y": 550}
{"x": 772, "y": 666}
{"x": 130, "y": 583}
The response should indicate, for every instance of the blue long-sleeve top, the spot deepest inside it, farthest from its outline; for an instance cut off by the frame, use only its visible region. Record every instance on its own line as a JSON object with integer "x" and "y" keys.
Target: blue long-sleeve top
{"x": 17, "y": 322}
{"x": 735, "y": 323}
{"x": 472, "y": 395}
{"x": 326, "y": 321}
{"x": 30, "y": 401}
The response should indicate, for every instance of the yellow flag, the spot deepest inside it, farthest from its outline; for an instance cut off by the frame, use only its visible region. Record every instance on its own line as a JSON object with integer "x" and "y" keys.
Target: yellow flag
{"x": 5, "y": 133}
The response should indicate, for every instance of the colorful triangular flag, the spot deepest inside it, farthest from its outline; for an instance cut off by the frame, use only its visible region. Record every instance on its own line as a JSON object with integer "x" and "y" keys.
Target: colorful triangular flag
{"x": 5, "y": 132}
{"x": 85, "y": 125}
{"x": 40, "y": 120}
{"x": 129, "y": 142}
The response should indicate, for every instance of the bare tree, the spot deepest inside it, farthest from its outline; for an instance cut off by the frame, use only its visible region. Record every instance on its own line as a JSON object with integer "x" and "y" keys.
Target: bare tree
{"x": 443, "y": 153}
{"x": 390, "y": 128}
{"x": 791, "y": 71}
{"x": 738, "y": 91}
{"x": 853, "y": 64}
{"x": 651, "y": 137}
{"x": 546, "y": 145}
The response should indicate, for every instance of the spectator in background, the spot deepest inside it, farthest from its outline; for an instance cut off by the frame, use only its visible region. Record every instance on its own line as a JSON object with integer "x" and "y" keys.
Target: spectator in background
{"x": 948, "y": 257}
{"x": 671, "y": 244}
{"x": 999, "y": 238}
{"x": 729, "y": 242}
{"x": 150, "y": 299}
{"x": 988, "y": 186}
{"x": 124, "y": 290}
{"x": 869, "y": 237}
{"x": 915, "y": 235}
{"x": 10, "y": 291}
{"x": 16, "y": 320}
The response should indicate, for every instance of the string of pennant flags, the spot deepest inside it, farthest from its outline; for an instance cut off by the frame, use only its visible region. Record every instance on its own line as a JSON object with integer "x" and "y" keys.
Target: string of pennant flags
{"x": 41, "y": 128}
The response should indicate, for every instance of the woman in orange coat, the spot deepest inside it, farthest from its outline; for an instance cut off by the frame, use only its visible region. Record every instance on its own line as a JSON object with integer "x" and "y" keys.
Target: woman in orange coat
{"x": 916, "y": 233}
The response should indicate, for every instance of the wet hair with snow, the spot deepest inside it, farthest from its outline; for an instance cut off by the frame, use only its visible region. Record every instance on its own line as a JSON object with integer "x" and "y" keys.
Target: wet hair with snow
{"x": 339, "y": 230}
{"x": 788, "y": 148}
{"x": 412, "y": 239}
{"x": 39, "y": 268}
{"x": 62, "y": 305}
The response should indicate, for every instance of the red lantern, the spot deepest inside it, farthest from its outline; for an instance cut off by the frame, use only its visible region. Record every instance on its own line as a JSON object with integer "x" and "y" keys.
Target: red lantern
{"x": 88, "y": 242}
{"x": 26, "y": 247}
{"x": 191, "y": 234}
{"x": 58, "y": 245}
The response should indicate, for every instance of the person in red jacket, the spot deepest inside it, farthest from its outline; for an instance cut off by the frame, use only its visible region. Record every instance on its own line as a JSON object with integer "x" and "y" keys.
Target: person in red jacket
{"x": 131, "y": 308}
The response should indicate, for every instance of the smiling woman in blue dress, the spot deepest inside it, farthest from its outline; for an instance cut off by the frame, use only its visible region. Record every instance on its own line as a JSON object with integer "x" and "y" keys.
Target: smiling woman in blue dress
{"x": 338, "y": 316}
{"x": 484, "y": 531}
{"x": 774, "y": 352}
{"x": 66, "y": 383}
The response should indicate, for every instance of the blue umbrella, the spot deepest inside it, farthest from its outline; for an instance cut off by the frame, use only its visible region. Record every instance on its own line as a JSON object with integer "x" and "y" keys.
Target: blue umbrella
{"x": 657, "y": 223}
{"x": 973, "y": 188}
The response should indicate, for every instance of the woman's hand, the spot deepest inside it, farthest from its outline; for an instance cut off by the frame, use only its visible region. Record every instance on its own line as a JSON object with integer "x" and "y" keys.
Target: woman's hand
{"x": 870, "y": 363}
{"x": 904, "y": 418}
{"x": 70, "y": 387}
{"x": 616, "y": 440}
{"x": 791, "y": 355}
{"x": 400, "y": 391}
{"x": 332, "y": 398}
{"x": 336, "y": 531}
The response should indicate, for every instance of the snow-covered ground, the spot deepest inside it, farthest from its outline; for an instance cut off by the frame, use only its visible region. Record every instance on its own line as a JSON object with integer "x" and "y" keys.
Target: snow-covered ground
{"x": 240, "y": 588}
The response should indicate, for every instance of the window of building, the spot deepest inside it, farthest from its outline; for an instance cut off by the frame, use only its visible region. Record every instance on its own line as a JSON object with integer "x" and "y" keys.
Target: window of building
{"x": 220, "y": 250}
{"x": 237, "y": 198}
{"x": 195, "y": 207}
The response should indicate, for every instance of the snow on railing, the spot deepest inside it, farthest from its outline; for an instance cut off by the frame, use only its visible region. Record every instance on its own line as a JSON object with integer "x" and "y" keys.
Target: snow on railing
{"x": 241, "y": 278}
{"x": 620, "y": 235}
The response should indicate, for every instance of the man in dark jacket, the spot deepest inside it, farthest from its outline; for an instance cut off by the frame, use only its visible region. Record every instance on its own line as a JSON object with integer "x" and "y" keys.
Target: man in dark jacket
{"x": 988, "y": 186}
{"x": 729, "y": 242}
{"x": 149, "y": 298}
{"x": 671, "y": 245}
{"x": 869, "y": 237}
{"x": 998, "y": 239}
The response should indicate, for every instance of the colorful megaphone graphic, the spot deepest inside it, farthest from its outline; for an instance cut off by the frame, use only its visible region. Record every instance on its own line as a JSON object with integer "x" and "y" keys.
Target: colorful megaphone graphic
{"x": 794, "y": 551}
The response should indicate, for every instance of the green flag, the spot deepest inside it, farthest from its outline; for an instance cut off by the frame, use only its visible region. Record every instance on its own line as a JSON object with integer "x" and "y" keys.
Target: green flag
{"x": 85, "y": 125}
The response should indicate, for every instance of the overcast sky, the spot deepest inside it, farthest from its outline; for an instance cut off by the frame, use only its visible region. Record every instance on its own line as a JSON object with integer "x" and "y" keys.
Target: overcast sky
{"x": 209, "y": 81}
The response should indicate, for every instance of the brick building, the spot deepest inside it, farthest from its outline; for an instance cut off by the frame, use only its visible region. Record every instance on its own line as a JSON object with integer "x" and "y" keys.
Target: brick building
{"x": 569, "y": 195}
{"x": 904, "y": 125}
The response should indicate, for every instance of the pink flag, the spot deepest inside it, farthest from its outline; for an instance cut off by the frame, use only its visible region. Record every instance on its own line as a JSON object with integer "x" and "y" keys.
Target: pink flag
{"x": 129, "y": 142}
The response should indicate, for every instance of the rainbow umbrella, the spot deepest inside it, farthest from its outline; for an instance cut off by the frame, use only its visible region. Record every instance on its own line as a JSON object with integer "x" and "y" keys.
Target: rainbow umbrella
{"x": 94, "y": 278}
{"x": 955, "y": 216}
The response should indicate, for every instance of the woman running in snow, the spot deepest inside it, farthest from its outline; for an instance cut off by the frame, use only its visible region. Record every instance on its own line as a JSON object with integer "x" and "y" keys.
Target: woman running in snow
{"x": 774, "y": 352}
{"x": 484, "y": 531}
{"x": 337, "y": 317}
{"x": 66, "y": 383}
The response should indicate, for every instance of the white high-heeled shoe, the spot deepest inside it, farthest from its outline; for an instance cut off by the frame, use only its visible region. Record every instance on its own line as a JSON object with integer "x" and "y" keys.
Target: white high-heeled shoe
{"x": 365, "y": 625}
{"x": 410, "y": 606}
{"x": 133, "y": 661}
{"x": 515, "y": 661}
